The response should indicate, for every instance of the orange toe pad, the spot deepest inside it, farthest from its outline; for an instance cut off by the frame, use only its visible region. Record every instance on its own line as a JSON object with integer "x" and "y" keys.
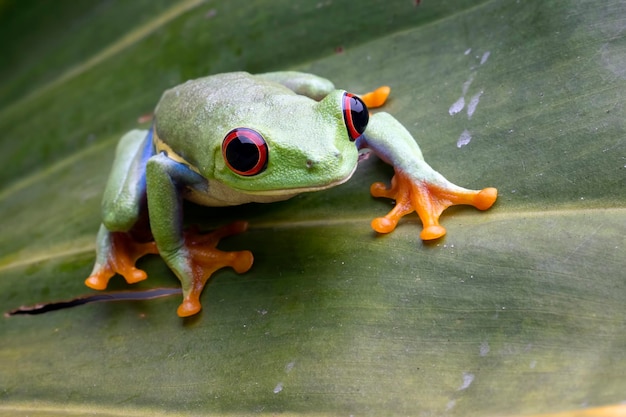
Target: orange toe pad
{"x": 428, "y": 200}
{"x": 377, "y": 97}
{"x": 125, "y": 252}
{"x": 205, "y": 259}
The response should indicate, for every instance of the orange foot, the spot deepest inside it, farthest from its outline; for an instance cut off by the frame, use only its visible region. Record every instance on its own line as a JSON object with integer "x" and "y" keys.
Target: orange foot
{"x": 377, "y": 97}
{"x": 428, "y": 200}
{"x": 205, "y": 259}
{"x": 121, "y": 260}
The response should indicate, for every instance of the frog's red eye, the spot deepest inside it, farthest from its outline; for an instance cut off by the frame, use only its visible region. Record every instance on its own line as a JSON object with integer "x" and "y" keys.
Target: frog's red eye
{"x": 245, "y": 151}
{"x": 355, "y": 114}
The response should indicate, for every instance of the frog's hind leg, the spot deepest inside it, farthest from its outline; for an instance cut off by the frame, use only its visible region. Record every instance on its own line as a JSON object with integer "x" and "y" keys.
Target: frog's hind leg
{"x": 377, "y": 97}
{"x": 301, "y": 83}
{"x": 117, "y": 249}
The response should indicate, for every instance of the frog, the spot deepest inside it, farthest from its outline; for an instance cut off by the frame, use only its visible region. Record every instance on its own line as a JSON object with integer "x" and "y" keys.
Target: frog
{"x": 237, "y": 138}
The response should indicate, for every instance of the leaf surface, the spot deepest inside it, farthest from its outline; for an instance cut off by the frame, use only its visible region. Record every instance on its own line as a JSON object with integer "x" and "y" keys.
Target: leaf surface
{"x": 518, "y": 310}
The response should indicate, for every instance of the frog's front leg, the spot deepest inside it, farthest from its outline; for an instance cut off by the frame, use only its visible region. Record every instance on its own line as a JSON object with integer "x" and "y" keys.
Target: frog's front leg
{"x": 117, "y": 247}
{"x": 415, "y": 185}
{"x": 193, "y": 257}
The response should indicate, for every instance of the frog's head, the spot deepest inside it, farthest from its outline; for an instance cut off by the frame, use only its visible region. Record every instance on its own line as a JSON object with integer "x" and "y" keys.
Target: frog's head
{"x": 292, "y": 144}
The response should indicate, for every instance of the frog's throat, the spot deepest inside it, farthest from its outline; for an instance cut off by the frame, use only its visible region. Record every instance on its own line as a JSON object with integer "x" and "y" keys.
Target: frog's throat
{"x": 161, "y": 146}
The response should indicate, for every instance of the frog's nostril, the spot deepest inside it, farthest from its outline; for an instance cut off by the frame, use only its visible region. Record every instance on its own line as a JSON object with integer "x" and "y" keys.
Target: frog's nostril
{"x": 329, "y": 162}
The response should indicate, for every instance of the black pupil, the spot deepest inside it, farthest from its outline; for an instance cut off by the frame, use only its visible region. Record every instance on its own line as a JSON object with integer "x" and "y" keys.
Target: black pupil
{"x": 360, "y": 115}
{"x": 242, "y": 154}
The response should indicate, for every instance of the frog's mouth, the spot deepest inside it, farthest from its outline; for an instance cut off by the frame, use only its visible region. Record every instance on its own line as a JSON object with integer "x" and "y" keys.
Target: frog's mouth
{"x": 291, "y": 191}
{"x": 229, "y": 195}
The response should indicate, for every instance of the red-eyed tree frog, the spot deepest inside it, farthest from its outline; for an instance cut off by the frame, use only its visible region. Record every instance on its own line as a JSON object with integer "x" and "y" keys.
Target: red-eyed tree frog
{"x": 237, "y": 138}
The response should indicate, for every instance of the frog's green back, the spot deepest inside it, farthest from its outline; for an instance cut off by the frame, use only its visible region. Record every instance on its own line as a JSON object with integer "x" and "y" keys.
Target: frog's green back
{"x": 307, "y": 140}
{"x": 195, "y": 116}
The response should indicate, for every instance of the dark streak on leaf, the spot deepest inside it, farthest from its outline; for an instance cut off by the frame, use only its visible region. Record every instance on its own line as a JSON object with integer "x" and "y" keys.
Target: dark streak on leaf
{"x": 93, "y": 298}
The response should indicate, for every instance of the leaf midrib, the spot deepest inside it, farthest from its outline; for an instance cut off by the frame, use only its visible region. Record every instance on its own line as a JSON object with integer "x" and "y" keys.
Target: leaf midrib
{"x": 85, "y": 245}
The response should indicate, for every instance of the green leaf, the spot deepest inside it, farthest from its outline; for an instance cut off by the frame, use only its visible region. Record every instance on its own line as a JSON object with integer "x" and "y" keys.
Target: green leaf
{"x": 518, "y": 310}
